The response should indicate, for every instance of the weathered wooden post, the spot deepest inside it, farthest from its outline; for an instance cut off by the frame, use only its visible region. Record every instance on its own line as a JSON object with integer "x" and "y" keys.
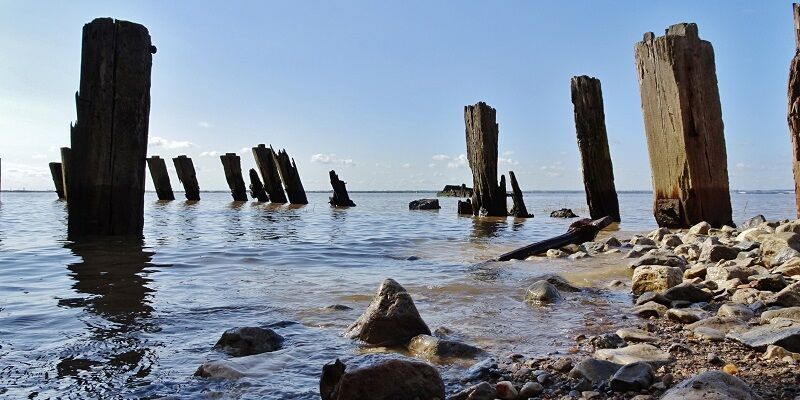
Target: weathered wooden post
{"x": 231, "y": 163}
{"x": 683, "y": 123}
{"x": 158, "y": 171}
{"x": 482, "y": 130}
{"x": 105, "y": 178}
{"x": 256, "y": 187}
{"x": 265, "y": 161}
{"x": 184, "y": 167}
{"x": 518, "y": 210}
{"x": 590, "y": 125}
{"x": 340, "y": 196}
{"x": 290, "y": 177}
{"x": 58, "y": 178}
{"x": 794, "y": 106}
{"x": 65, "y": 156}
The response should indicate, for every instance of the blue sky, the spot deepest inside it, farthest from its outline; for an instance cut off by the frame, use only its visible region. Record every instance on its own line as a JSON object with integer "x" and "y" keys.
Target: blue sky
{"x": 376, "y": 90}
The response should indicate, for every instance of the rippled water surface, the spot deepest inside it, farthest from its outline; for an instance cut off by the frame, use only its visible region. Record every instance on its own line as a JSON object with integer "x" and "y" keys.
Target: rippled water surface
{"x": 105, "y": 319}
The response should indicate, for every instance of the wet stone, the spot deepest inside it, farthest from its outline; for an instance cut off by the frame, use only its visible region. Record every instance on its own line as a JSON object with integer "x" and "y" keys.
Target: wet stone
{"x": 246, "y": 341}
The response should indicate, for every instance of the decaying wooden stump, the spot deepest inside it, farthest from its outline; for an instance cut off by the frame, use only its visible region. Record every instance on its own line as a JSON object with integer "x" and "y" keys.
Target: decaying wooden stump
{"x": 794, "y": 106}
{"x": 518, "y": 210}
{"x": 482, "y": 130}
{"x": 265, "y": 161}
{"x": 232, "y": 165}
{"x": 158, "y": 172}
{"x": 590, "y": 125}
{"x": 106, "y": 175}
{"x": 58, "y": 178}
{"x": 256, "y": 187}
{"x": 65, "y": 156}
{"x": 184, "y": 167}
{"x": 578, "y": 232}
{"x": 465, "y": 207}
{"x": 340, "y": 197}
{"x": 683, "y": 123}
{"x": 290, "y": 177}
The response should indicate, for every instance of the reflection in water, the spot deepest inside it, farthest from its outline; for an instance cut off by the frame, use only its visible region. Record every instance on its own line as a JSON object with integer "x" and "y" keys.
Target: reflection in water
{"x": 187, "y": 212}
{"x": 487, "y": 227}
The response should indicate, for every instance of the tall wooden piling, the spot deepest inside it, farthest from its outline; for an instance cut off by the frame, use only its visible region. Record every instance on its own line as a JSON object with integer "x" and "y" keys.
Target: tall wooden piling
{"x": 518, "y": 210}
{"x": 265, "y": 161}
{"x": 106, "y": 174}
{"x": 232, "y": 165}
{"x": 58, "y": 178}
{"x": 184, "y": 167}
{"x": 590, "y": 126}
{"x": 291, "y": 178}
{"x": 256, "y": 187}
{"x": 793, "y": 114}
{"x": 65, "y": 157}
{"x": 160, "y": 176}
{"x": 482, "y": 131}
{"x": 683, "y": 124}
{"x": 340, "y": 196}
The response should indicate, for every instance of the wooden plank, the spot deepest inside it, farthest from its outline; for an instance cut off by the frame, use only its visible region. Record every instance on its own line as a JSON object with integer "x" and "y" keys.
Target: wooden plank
{"x": 232, "y": 165}
{"x": 160, "y": 176}
{"x": 590, "y": 126}
{"x": 65, "y": 156}
{"x": 340, "y": 196}
{"x": 58, "y": 178}
{"x": 256, "y": 187}
{"x": 518, "y": 210}
{"x": 683, "y": 124}
{"x": 481, "y": 132}
{"x": 579, "y": 232}
{"x": 793, "y": 114}
{"x": 184, "y": 167}
{"x": 265, "y": 162}
{"x": 290, "y": 177}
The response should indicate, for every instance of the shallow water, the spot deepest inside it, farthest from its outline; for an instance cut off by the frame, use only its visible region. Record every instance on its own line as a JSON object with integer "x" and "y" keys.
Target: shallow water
{"x": 120, "y": 320}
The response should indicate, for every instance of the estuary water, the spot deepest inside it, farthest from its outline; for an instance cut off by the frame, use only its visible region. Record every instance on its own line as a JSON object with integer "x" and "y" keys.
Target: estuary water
{"x": 106, "y": 319}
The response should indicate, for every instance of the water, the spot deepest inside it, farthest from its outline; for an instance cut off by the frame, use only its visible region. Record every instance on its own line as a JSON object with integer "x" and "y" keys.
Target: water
{"x": 122, "y": 320}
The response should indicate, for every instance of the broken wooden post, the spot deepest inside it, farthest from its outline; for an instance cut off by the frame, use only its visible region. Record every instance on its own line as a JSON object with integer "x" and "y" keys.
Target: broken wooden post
{"x": 158, "y": 171}
{"x": 482, "y": 130}
{"x": 518, "y": 210}
{"x": 65, "y": 156}
{"x": 590, "y": 126}
{"x": 464, "y": 207}
{"x": 290, "y": 178}
{"x": 184, "y": 167}
{"x": 58, "y": 179}
{"x": 683, "y": 123}
{"x": 340, "y": 197}
{"x": 265, "y": 161}
{"x": 256, "y": 187}
{"x": 231, "y": 163}
{"x": 106, "y": 174}
{"x": 794, "y": 106}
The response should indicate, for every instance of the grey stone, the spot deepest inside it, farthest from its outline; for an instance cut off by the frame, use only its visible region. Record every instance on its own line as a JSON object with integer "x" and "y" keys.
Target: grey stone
{"x": 530, "y": 389}
{"x": 792, "y": 313}
{"x": 388, "y": 380}
{"x": 769, "y": 282}
{"x": 733, "y": 310}
{"x": 246, "y": 341}
{"x": 594, "y": 370}
{"x": 711, "y": 385}
{"x": 649, "y": 309}
{"x": 753, "y": 222}
{"x": 424, "y": 204}
{"x": 787, "y": 297}
{"x": 687, "y": 292}
{"x": 563, "y": 213}
{"x": 659, "y": 259}
{"x": 700, "y": 228}
{"x": 433, "y": 348}
{"x": 559, "y": 282}
{"x": 655, "y": 278}
{"x": 635, "y": 335}
{"x": 391, "y": 318}
{"x": 718, "y": 252}
{"x": 542, "y": 292}
{"x": 773, "y": 244}
{"x": 481, "y": 391}
{"x": 686, "y": 315}
{"x": 779, "y": 332}
{"x": 635, "y": 353}
{"x": 607, "y": 341}
{"x": 632, "y": 377}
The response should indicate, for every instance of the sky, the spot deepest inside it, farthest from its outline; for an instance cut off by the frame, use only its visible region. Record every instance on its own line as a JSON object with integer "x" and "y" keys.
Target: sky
{"x": 376, "y": 90}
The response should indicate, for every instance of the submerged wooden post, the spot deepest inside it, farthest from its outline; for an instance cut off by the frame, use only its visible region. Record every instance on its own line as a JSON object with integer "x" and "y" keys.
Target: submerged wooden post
{"x": 184, "y": 167}
{"x": 683, "y": 123}
{"x": 518, "y": 210}
{"x": 265, "y": 161}
{"x": 105, "y": 178}
{"x": 794, "y": 106}
{"x": 290, "y": 177}
{"x": 590, "y": 126}
{"x": 482, "y": 130}
{"x": 65, "y": 156}
{"x": 232, "y": 165}
{"x": 158, "y": 171}
{"x": 256, "y": 188}
{"x": 340, "y": 197}
{"x": 58, "y": 178}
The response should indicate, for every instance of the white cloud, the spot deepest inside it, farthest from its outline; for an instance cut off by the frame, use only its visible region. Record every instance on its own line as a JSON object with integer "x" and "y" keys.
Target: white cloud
{"x": 331, "y": 159}
{"x": 441, "y": 157}
{"x": 458, "y": 162}
{"x": 501, "y": 160}
{"x": 244, "y": 150}
{"x": 204, "y": 124}
{"x": 553, "y": 170}
{"x": 209, "y": 153}
{"x": 156, "y": 141}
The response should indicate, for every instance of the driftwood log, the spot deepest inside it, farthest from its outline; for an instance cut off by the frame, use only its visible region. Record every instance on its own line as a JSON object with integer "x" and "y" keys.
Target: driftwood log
{"x": 579, "y": 232}
{"x": 793, "y": 115}
{"x": 590, "y": 126}
{"x": 58, "y": 178}
{"x": 158, "y": 172}
{"x": 265, "y": 161}
{"x": 518, "y": 210}
{"x": 106, "y": 175}
{"x": 232, "y": 165}
{"x": 65, "y": 156}
{"x": 683, "y": 124}
{"x": 290, "y": 177}
{"x": 184, "y": 167}
{"x": 256, "y": 187}
{"x": 488, "y": 197}
{"x": 340, "y": 196}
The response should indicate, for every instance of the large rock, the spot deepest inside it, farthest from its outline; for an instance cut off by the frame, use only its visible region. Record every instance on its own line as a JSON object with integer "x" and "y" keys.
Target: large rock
{"x": 725, "y": 273}
{"x": 788, "y": 268}
{"x": 219, "y": 369}
{"x": 559, "y": 282}
{"x": 659, "y": 259}
{"x": 793, "y": 226}
{"x": 632, "y": 377}
{"x": 246, "y": 341}
{"x": 655, "y": 278}
{"x": 733, "y": 310}
{"x": 594, "y": 370}
{"x": 792, "y": 313}
{"x": 635, "y": 353}
{"x": 717, "y": 252}
{"x": 773, "y": 244}
{"x": 649, "y": 309}
{"x": 788, "y": 296}
{"x": 635, "y": 335}
{"x": 779, "y": 332}
{"x": 715, "y": 328}
{"x": 433, "y": 348}
{"x": 686, "y": 315}
{"x": 700, "y": 228}
{"x": 751, "y": 235}
{"x": 542, "y": 292}
{"x": 753, "y": 222}
{"x": 424, "y": 204}
{"x": 391, "y": 318}
{"x": 687, "y": 292}
{"x": 711, "y": 385}
{"x": 389, "y": 380}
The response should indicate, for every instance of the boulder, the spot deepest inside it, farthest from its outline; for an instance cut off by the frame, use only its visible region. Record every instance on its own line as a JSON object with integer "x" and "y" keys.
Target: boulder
{"x": 391, "y": 318}
{"x": 715, "y": 328}
{"x": 792, "y": 313}
{"x": 722, "y": 274}
{"x": 768, "y": 282}
{"x": 717, "y": 252}
{"x": 506, "y": 390}
{"x": 635, "y": 353}
{"x": 594, "y": 370}
{"x": 711, "y": 385}
{"x": 632, "y": 377}
{"x": 785, "y": 255}
{"x": 530, "y": 389}
{"x": 700, "y": 228}
{"x": 787, "y": 297}
{"x": 638, "y": 240}
{"x": 424, "y": 204}
{"x": 481, "y": 391}
{"x": 671, "y": 241}
{"x": 652, "y": 296}
{"x": 733, "y": 310}
{"x": 635, "y": 335}
{"x": 433, "y": 348}
{"x": 788, "y": 268}
{"x": 649, "y": 309}
{"x": 389, "y": 380}
{"x": 793, "y": 226}
{"x": 542, "y": 292}
{"x": 779, "y": 353}
{"x": 698, "y": 270}
{"x": 611, "y": 241}
{"x": 775, "y": 243}
{"x": 688, "y": 292}
{"x": 559, "y": 282}
{"x": 563, "y": 213}
{"x": 753, "y": 222}
{"x": 655, "y": 278}
{"x": 779, "y": 332}
{"x": 751, "y": 235}
{"x": 749, "y": 296}
{"x": 688, "y": 251}
{"x": 556, "y": 253}
{"x": 246, "y": 341}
